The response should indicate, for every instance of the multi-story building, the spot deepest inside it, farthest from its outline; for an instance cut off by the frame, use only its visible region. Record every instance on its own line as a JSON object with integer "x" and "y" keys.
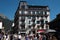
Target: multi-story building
{"x": 55, "y": 24}
{"x": 0, "y": 24}
{"x": 30, "y": 18}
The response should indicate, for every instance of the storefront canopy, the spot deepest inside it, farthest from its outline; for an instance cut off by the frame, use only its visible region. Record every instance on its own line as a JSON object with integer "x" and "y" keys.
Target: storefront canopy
{"x": 40, "y": 31}
{"x": 50, "y": 30}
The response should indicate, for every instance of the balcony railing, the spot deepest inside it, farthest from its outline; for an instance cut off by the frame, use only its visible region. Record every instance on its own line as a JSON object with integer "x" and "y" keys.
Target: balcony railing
{"x": 32, "y": 15}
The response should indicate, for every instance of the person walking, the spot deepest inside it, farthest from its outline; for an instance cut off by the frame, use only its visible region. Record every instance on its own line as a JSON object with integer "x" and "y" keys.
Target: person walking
{"x": 15, "y": 37}
{"x": 44, "y": 37}
{"x": 19, "y": 37}
{"x": 11, "y": 36}
{"x": 40, "y": 37}
{"x": 35, "y": 37}
{"x": 27, "y": 37}
{"x": 0, "y": 36}
{"x": 8, "y": 37}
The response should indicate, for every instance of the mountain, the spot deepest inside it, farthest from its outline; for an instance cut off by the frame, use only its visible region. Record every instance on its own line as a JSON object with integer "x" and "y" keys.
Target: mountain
{"x": 7, "y": 24}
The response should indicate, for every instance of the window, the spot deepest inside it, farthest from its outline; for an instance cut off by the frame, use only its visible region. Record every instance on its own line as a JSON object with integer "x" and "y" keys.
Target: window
{"x": 38, "y": 12}
{"x": 33, "y": 32}
{"x": 41, "y": 12}
{"x": 41, "y": 17}
{"x": 33, "y": 25}
{"x": 42, "y": 21}
{"x": 46, "y": 27}
{"x": 29, "y": 22}
{"x": 38, "y": 22}
{"x": 29, "y": 26}
{"x": 38, "y": 26}
{"x": 22, "y": 26}
{"x": 19, "y": 18}
{"x": 29, "y": 17}
{"x": 42, "y": 26}
{"x": 29, "y": 32}
{"x": 45, "y": 13}
{"x": 23, "y": 6}
{"x": 46, "y": 22}
{"x": 20, "y": 22}
{"x": 33, "y": 12}
{"x": 25, "y": 12}
{"x": 29, "y": 12}
{"x": 33, "y": 19}
{"x": 19, "y": 12}
{"x": 22, "y": 12}
{"x": 22, "y": 19}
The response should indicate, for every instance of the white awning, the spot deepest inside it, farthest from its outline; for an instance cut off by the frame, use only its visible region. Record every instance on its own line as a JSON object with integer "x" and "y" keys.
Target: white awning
{"x": 50, "y": 30}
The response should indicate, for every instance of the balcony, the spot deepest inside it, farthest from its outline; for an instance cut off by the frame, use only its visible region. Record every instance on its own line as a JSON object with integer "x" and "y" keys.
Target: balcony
{"x": 32, "y": 15}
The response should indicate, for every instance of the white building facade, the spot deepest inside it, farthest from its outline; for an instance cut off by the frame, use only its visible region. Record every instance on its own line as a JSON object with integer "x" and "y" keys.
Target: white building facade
{"x": 30, "y": 18}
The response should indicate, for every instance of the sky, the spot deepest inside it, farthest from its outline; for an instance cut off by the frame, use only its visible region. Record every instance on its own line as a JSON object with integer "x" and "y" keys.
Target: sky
{"x": 9, "y": 7}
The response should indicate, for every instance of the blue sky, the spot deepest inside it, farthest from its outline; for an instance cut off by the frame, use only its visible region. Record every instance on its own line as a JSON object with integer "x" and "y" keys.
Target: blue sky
{"x": 9, "y": 7}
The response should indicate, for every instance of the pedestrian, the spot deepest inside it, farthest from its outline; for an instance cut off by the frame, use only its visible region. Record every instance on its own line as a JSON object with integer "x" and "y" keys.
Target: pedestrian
{"x": 8, "y": 37}
{"x": 1, "y": 36}
{"x": 11, "y": 37}
{"x": 44, "y": 37}
{"x": 40, "y": 37}
{"x": 35, "y": 37}
{"x": 19, "y": 37}
{"x": 23, "y": 38}
{"x": 27, "y": 37}
{"x": 15, "y": 37}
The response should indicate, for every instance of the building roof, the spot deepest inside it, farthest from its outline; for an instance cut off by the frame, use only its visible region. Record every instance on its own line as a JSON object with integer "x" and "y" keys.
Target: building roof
{"x": 36, "y": 6}
{"x": 22, "y": 1}
{"x": 55, "y": 24}
{"x": 32, "y": 6}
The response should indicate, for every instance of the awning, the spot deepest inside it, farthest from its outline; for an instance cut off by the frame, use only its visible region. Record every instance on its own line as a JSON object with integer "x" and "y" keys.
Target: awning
{"x": 50, "y": 30}
{"x": 40, "y": 31}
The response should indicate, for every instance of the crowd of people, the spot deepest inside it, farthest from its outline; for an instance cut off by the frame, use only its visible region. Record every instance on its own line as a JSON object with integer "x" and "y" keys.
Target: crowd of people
{"x": 19, "y": 37}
